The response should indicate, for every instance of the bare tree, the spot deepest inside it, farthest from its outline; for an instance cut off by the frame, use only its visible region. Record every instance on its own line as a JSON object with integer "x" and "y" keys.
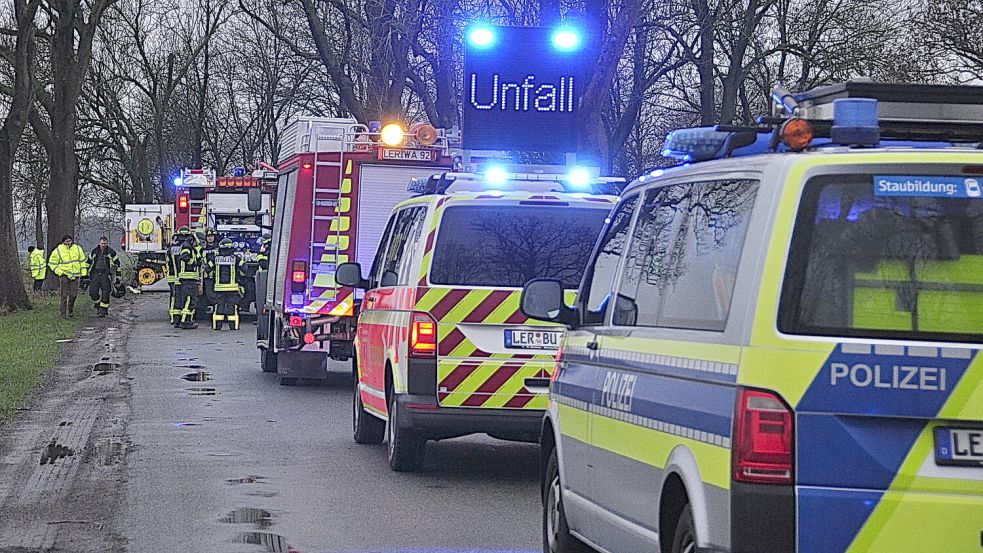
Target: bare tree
{"x": 22, "y": 57}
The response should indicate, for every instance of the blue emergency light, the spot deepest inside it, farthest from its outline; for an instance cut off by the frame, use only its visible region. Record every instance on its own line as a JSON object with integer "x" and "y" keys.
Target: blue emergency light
{"x": 481, "y": 36}
{"x": 578, "y": 177}
{"x": 696, "y": 144}
{"x": 565, "y": 39}
{"x": 496, "y": 175}
{"x": 855, "y": 122}
{"x": 178, "y": 181}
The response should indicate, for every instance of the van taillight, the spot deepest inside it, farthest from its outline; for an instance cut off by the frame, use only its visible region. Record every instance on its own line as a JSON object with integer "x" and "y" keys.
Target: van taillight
{"x": 298, "y": 272}
{"x": 423, "y": 336}
{"x": 557, "y": 364}
{"x": 763, "y": 438}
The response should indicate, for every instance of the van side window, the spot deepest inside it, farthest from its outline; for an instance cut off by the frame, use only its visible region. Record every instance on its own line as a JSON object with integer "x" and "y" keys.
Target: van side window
{"x": 600, "y": 274}
{"x": 682, "y": 267}
{"x": 395, "y": 256}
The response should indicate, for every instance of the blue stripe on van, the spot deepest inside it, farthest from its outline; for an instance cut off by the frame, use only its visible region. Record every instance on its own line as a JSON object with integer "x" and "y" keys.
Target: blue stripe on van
{"x": 705, "y": 406}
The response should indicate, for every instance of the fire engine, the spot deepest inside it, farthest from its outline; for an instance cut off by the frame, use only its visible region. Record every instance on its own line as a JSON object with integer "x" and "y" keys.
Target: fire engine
{"x": 338, "y": 182}
{"x": 206, "y": 201}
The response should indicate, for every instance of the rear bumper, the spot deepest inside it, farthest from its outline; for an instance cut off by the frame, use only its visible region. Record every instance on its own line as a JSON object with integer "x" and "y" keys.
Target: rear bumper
{"x": 422, "y": 413}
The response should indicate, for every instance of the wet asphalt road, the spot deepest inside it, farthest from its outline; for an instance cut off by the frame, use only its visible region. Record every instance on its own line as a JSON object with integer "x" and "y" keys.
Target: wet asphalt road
{"x": 239, "y": 463}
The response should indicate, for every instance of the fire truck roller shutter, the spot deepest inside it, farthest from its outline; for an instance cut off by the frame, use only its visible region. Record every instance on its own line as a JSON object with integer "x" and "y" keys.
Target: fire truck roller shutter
{"x": 286, "y": 195}
{"x": 385, "y": 186}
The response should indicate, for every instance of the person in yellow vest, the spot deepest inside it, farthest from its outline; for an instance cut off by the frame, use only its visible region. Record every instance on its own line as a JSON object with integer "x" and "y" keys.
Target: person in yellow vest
{"x": 38, "y": 265}
{"x": 227, "y": 270}
{"x": 68, "y": 263}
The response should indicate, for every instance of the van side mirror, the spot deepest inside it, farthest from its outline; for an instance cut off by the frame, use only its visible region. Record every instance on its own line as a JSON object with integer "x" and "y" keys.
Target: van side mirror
{"x": 542, "y": 299}
{"x": 350, "y": 274}
{"x": 254, "y": 200}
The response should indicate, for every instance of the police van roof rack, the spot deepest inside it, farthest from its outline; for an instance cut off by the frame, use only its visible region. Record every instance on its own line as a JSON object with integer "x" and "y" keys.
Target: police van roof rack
{"x": 440, "y": 183}
{"x": 849, "y": 114}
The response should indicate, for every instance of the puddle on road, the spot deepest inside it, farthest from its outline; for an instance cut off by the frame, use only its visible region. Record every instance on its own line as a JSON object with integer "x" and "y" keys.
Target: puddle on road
{"x": 249, "y": 515}
{"x": 198, "y": 376}
{"x": 54, "y": 451}
{"x": 261, "y": 494}
{"x": 65, "y": 423}
{"x": 105, "y": 367}
{"x": 189, "y": 366}
{"x": 181, "y": 424}
{"x": 271, "y": 542}
{"x": 110, "y": 452}
{"x": 198, "y": 391}
{"x": 251, "y": 479}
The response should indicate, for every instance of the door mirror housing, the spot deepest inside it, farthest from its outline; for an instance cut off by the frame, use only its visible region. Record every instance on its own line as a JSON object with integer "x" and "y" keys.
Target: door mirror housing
{"x": 350, "y": 274}
{"x": 542, "y": 299}
{"x": 254, "y": 200}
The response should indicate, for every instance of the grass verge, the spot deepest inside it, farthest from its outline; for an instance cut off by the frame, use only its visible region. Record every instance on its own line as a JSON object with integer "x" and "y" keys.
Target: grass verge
{"x": 28, "y": 347}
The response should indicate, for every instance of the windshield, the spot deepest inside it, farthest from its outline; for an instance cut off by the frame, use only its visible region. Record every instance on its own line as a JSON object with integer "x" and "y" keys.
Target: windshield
{"x": 887, "y": 256}
{"x": 507, "y": 246}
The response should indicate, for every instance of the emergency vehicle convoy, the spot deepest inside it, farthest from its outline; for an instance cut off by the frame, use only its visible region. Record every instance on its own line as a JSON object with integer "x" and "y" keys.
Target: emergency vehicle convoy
{"x": 203, "y": 202}
{"x": 338, "y": 182}
{"x": 776, "y": 346}
{"x": 442, "y": 349}
{"x": 219, "y": 205}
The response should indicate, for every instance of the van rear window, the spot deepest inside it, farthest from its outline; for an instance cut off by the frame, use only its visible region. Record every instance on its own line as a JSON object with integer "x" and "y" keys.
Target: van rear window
{"x": 508, "y": 245}
{"x": 887, "y": 256}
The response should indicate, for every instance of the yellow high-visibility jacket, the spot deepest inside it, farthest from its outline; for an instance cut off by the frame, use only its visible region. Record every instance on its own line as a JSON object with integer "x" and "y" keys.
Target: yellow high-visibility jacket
{"x": 39, "y": 268}
{"x": 68, "y": 261}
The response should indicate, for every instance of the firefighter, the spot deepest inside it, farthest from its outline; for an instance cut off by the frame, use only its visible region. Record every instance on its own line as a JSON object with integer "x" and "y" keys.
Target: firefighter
{"x": 67, "y": 261}
{"x": 208, "y": 278}
{"x": 227, "y": 268}
{"x": 189, "y": 279}
{"x": 173, "y": 253}
{"x": 103, "y": 272}
{"x": 39, "y": 267}
{"x": 263, "y": 257}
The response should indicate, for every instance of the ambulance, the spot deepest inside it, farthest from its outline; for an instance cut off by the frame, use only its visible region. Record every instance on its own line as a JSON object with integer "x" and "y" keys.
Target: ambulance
{"x": 338, "y": 181}
{"x": 442, "y": 349}
{"x": 776, "y": 346}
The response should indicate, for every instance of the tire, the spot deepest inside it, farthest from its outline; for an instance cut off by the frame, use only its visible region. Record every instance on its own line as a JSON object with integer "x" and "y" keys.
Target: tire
{"x": 556, "y": 534}
{"x": 267, "y": 360}
{"x": 684, "y": 538}
{"x": 366, "y": 429}
{"x": 288, "y": 381}
{"x": 407, "y": 448}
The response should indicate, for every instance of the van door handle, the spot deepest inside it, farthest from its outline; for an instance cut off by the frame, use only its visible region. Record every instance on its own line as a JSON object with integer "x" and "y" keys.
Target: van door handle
{"x": 593, "y": 346}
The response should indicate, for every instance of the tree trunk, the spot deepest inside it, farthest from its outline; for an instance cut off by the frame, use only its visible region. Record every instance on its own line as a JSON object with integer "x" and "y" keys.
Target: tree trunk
{"x": 39, "y": 218}
{"x": 63, "y": 191}
{"x": 704, "y": 63}
{"x": 593, "y": 136}
{"x": 13, "y": 296}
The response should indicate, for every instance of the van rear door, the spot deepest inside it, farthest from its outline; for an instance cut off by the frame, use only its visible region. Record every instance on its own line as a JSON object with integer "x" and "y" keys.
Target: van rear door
{"x": 889, "y": 433}
{"x": 491, "y": 355}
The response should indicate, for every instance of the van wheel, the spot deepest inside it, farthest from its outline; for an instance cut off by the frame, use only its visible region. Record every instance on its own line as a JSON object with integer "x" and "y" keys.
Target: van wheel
{"x": 556, "y": 534}
{"x": 267, "y": 360}
{"x": 684, "y": 538}
{"x": 407, "y": 448}
{"x": 366, "y": 429}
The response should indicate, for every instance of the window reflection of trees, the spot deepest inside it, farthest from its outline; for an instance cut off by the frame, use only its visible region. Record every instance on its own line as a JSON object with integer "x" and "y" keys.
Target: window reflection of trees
{"x": 499, "y": 248}
{"x": 705, "y": 213}
{"x": 861, "y": 245}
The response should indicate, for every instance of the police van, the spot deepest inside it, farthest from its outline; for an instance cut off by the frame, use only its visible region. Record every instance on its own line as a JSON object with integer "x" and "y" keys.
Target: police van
{"x": 442, "y": 349}
{"x": 775, "y": 346}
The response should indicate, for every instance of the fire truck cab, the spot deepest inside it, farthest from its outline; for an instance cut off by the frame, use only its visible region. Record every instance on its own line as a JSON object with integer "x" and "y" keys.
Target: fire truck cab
{"x": 338, "y": 183}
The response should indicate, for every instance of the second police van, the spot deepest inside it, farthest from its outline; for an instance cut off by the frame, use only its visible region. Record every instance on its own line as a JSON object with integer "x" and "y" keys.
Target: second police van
{"x": 775, "y": 348}
{"x": 442, "y": 348}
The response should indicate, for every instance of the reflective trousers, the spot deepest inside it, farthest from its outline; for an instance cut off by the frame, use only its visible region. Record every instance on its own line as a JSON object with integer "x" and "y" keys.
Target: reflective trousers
{"x": 100, "y": 288}
{"x": 226, "y": 309}
{"x": 183, "y": 301}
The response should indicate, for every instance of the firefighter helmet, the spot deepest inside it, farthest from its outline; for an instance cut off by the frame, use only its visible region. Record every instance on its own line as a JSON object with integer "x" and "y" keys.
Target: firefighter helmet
{"x": 225, "y": 244}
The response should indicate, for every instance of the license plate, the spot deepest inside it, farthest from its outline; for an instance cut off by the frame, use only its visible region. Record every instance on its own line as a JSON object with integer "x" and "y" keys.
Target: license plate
{"x": 959, "y": 446}
{"x": 532, "y": 339}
